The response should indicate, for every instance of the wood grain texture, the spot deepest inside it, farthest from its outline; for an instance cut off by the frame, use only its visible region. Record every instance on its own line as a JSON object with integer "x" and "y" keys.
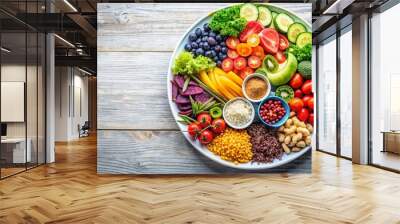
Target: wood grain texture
{"x": 132, "y": 91}
{"x": 136, "y": 127}
{"x": 70, "y": 191}
{"x": 128, "y": 27}
{"x": 165, "y": 152}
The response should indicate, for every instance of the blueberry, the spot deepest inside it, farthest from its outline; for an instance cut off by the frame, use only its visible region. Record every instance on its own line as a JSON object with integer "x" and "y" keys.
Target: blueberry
{"x": 193, "y": 51}
{"x": 198, "y": 32}
{"x": 204, "y": 38}
{"x": 224, "y": 49}
{"x": 208, "y": 54}
{"x": 221, "y": 55}
{"x": 212, "y": 34}
{"x": 213, "y": 53}
{"x": 201, "y": 44}
{"x": 206, "y": 27}
{"x": 211, "y": 41}
{"x": 206, "y": 46}
{"x": 188, "y": 47}
{"x": 198, "y": 41}
{"x": 219, "y": 63}
{"x": 217, "y": 48}
{"x": 205, "y": 34}
{"x": 218, "y": 38}
{"x": 195, "y": 45}
{"x": 200, "y": 51}
{"x": 216, "y": 58}
{"x": 192, "y": 37}
{"x": 223, "y": 44}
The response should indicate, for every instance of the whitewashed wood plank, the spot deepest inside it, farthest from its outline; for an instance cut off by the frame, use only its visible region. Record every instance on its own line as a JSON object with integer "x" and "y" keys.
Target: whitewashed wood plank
{"x": 157, "y": 26}
{"x": 165, "y": 152}
{"x": 132, "y": 91}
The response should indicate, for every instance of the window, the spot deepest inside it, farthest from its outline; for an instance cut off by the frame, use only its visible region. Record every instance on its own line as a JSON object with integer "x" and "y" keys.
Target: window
{"x": 346, "y": 92}
{"x": 385, "y": 89}
{"x": 327, "y": 95}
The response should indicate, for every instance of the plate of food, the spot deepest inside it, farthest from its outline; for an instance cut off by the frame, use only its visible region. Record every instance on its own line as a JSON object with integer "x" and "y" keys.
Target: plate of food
{"x": 239, "y": 86}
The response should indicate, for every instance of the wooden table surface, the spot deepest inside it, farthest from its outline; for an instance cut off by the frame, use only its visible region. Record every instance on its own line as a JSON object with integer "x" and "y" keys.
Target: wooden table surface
{"x": 137, "y": 133}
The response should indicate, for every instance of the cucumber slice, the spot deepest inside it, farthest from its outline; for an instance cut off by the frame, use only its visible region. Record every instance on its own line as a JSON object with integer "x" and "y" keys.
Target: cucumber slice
{"x": 274, "y": 14}
{"x": 294, "y": 30}
{"x": 264, "y": 16}
{"x": 303, "y": 39}
{"x": 249, "y": 12}
{"x": 282, "y": 22}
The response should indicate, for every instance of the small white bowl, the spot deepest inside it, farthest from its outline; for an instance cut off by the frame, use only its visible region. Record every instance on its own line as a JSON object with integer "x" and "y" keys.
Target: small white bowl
{"x": 258, "y": 76}
{"x": 251, "y": 118}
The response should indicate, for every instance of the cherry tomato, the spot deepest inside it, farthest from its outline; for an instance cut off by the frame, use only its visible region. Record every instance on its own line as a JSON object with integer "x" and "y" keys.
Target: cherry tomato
{"x": 310, "y": 103}
{"x": 205, "y": 137}
{"x": 204, "y": 120}
{"x": 236, "y": 71}
{"x": 298, "y": 93}
{"x": 253, "y": 40}
{"x": 194, "y": 129}
{"x": 227, "y": 65}
{"x": 303, "y": 114}
{"x": 296, "y": 81}
{"x": 283, "y": 42}
{"x": 232, "y": 54}
{"x": 305, "y": 99}
{"x": 252, "y": 27}
{"x": 280, "y": 57}
{"x": 258, "y": 51}
{"x": 269, "y": 40}
{"x": 254, "y": 62}
{"x": 245, "y": 72}
{"x": 296, "y": 104}
{"x": 244, "y": 49}
{"x": 307, "y": 87}
{"x": 218, "y": 126}
{"x": 232, "y": 42}
{"x": 311, "y": 119}
{"x": 239, "y": 63}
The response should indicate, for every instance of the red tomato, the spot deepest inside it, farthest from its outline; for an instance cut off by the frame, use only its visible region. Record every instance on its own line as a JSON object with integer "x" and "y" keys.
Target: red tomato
{"x": 254, "y": 62}
{"x": 296, "y": 81}
{"x": 205, "y": 137}
{"x": 204, "y": 120}
{"x": 280, "y": 57}
{"x": 303, "y": 114}
{"x": 232, "y": 42}
{"x": 269, "y": 40}
{"x": 239, "y": 63}
{"x": 252, "y": 27}
{"x": 245, "y": 72}
{"x": 218, "y": 125}
{"x": 311, "y": 119}
{"x": 307, "y": 87}
{"x": 194, "y": 129}
{"x": 227, "y": 65}
{"x": 236, "y": 71}
{"x": 258, "y": 51}
{"x": 306, "y": 98}
{"x": 298, "y": 93}
{"x": 283, "y": 42}
{"x": 310, "y": 103}
{"x": 232, "y": 54}
{"x": 296, "y": 104}
{"x": 244, "y": 49}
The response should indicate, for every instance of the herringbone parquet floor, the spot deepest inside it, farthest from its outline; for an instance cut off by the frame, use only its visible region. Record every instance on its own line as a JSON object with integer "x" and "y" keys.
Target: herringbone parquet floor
{"x": 70, "y": 191}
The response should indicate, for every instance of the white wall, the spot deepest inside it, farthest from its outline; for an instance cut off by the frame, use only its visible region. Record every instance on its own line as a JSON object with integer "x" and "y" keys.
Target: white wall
{"x": 71, "y": 102}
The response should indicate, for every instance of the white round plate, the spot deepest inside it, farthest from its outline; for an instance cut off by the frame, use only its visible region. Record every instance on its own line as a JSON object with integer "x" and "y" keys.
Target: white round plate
{"x": 286, "y": 158}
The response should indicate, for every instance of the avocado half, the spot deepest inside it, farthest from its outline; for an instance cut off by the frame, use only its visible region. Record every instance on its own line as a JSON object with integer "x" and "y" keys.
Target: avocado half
{"x": 280, "y": 75}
